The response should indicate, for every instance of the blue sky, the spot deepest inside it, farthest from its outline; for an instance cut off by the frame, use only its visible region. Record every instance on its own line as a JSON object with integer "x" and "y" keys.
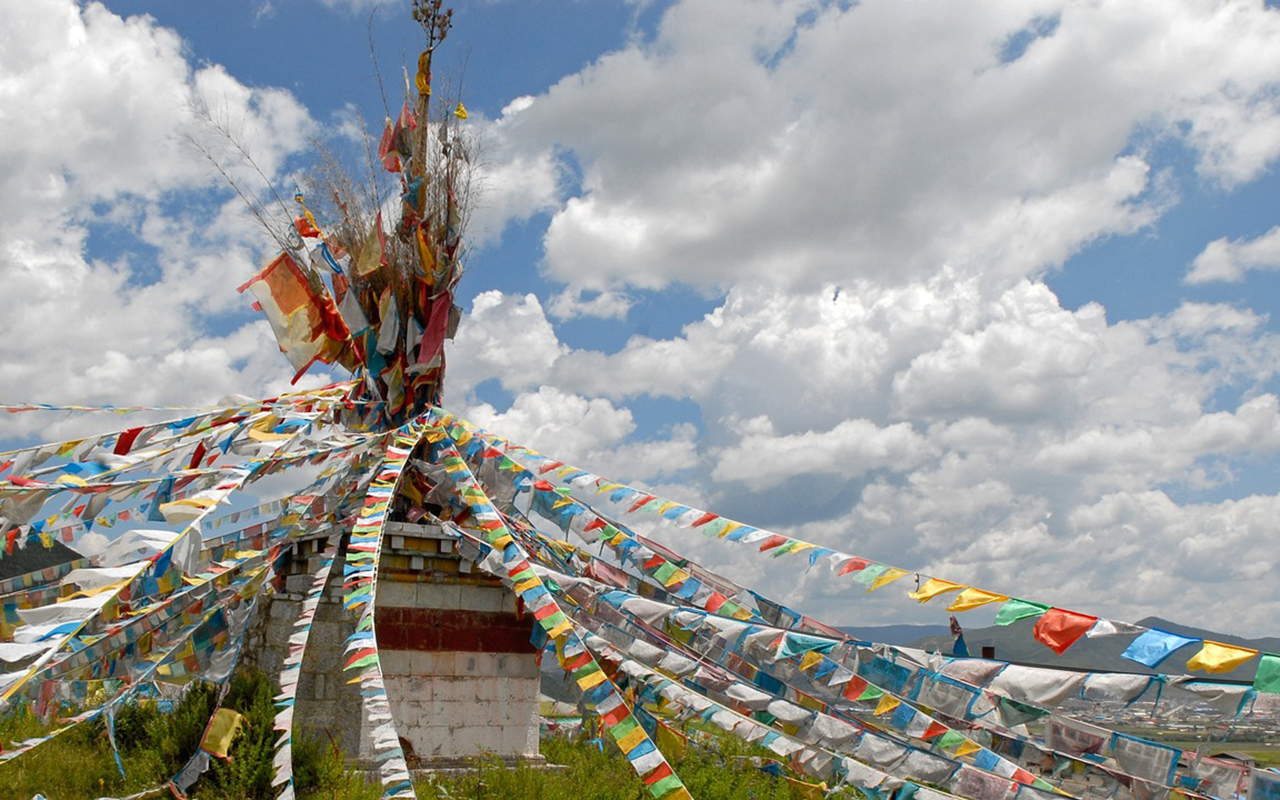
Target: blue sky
{"x": 985, "y": 290}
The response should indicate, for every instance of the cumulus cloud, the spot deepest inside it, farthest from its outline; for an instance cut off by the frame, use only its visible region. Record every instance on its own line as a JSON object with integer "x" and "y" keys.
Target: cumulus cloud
{"x": 798, "y": 143}
{"x": 1230, "y": 259}
{"x": 100, "y": 113}
{"x": 952, "y": 426}
{"x": 875, "y": 191}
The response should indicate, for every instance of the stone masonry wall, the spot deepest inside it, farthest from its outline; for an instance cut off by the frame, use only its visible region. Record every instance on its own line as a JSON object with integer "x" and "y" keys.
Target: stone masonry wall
{"x": 460, "y": 672}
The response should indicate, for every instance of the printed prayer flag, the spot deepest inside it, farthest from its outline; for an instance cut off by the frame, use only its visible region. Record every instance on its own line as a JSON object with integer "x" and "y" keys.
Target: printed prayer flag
{"x": 972, "y": 598}
{"x": 1154, "y": 646}
{"x": 222, "y": 729}
{"x": 1268, "y": 678}
{"x": 1218, "y": 657}
{"x": 1015, "y": 609}
{"x": 887, "y": 703}
{"x": 934, "y": 587}
{"x": 1058, "y": 629}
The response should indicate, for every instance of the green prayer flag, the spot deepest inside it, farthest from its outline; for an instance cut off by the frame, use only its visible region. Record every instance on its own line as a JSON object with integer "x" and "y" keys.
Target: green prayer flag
{"x": 868, "y": 575}
{"x": 871, "y": 693}
{"x": 1015, "y": 609}
{"x": 1268, "y": 678}
{"x": 664, "y": 571}
{"x": 950, "y": 739}
{"x": 627, "y": 725}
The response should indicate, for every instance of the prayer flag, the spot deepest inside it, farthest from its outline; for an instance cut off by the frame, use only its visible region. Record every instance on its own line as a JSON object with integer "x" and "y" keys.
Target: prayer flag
{"x": 1218, "y": 657}
{"x": 1058, "y": 628}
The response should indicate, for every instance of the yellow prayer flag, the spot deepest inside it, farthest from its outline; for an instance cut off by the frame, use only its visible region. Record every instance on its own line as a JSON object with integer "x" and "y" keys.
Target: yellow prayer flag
{"x": 267, "y": 436}
{"x": 973, "y": 598}
{"x": 810, "y": 659}
{"x": 671, "y": 741}
{"x": 591, "y": 679}
{"x": 633, "y": 737}
{"x": 969, "y": 746}
{"x": 1218, "y": 657}
{"x": 460, "y": 112}
{"x": 887, "y": 703}
{"x": 222, "y": 729}
{"x": 887, "y": 577}
{"x": 934, "y": 587}
{"x": 806, "y": 791}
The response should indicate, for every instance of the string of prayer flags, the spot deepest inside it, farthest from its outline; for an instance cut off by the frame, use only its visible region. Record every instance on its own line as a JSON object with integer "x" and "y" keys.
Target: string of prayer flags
{"x": 363, "y": 551}
{"x": 1059, "y": 632}
{"x": 630, "y": 737}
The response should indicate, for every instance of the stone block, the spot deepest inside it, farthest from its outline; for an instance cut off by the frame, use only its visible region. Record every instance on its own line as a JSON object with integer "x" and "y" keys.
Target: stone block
{"x": 454, "y": 690}
{"x": 395, "y": 662}
{"x": 480, "y": 598}
{"x": 432, "y": 664}
{"x": 397, "y": 594}
{"x": 438, "y": 595}
{"x": 297, "y": 584}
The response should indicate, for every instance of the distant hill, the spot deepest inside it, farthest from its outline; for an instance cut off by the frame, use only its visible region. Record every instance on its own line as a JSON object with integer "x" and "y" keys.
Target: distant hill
{"x": 901, "y": 635}
{"x": 1016, "y": 643}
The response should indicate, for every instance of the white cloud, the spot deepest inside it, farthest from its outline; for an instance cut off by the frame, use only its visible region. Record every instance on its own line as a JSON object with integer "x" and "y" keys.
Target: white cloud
{"x": 98, "y": 114}
{"x": 877, "y": 191}
{"x": 955, "y": 426}
{"x": 506, "y": 337}
{"x": 853, "y": 448}
{"x": 1230, "y": 259}
{"x": 604, "y": 305}
{"x": 798, "y": 143}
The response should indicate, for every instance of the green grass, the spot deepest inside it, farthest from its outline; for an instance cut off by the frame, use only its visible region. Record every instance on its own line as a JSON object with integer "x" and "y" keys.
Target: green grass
{"x": 718, "y": 773}
{"x": 78, "y": 765}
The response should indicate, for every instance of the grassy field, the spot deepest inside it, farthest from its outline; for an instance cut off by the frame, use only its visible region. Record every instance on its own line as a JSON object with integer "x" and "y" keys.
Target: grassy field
{"x": 79, "y": 765}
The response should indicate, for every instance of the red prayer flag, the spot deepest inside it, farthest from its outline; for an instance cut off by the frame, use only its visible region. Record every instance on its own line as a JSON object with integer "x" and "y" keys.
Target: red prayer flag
{"x": 125, "y": 443}
{"x": 772, "y": 542}
{"x": 854, "y": 565}
{"x": 1058, "y": 629}
{"x": 197, "y": 455}
{"x": 663, "y": 770}
{"x": 705, "y": 518}
{"x": 854, "y": 689}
